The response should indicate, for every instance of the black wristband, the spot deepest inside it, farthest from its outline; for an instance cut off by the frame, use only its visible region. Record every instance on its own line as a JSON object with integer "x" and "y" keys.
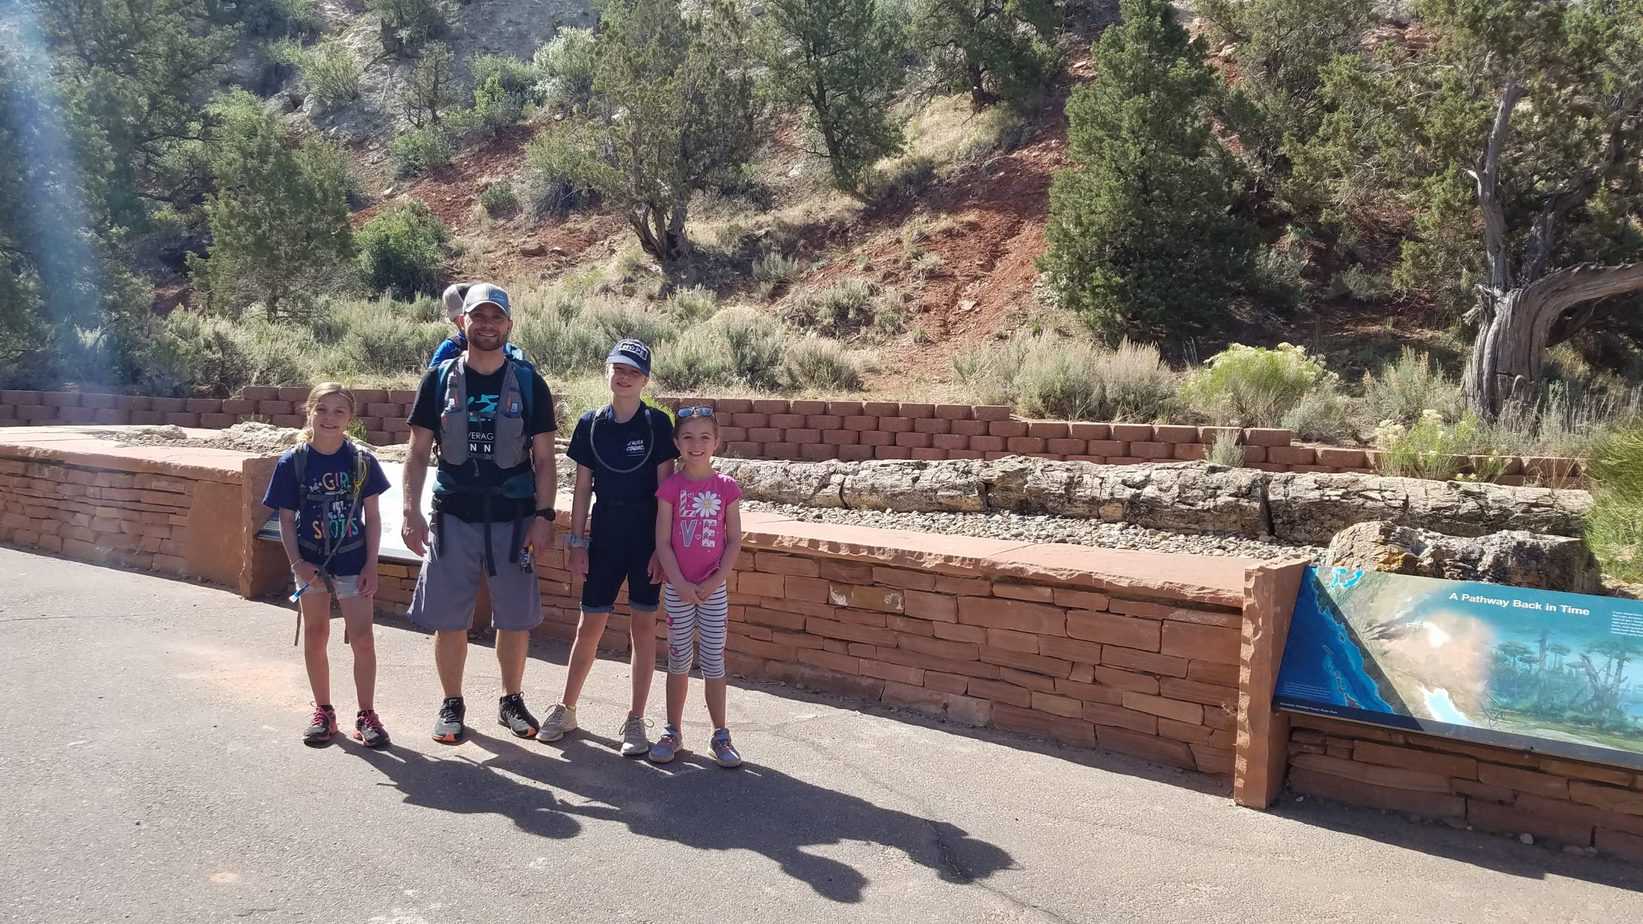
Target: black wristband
{"x": 547, "y": 513}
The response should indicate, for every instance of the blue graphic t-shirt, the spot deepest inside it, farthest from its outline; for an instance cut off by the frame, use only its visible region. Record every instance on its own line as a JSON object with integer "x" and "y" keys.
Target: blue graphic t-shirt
{"x": 330, "y": 495}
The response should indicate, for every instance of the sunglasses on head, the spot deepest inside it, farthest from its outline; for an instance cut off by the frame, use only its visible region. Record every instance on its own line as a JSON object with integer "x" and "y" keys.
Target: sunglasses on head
{"x": 697, "y": 411}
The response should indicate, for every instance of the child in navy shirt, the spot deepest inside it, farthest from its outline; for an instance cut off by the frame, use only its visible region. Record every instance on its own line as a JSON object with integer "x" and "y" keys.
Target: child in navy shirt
{"x": 326, "y": 492}
{"x": 622, "y": 452}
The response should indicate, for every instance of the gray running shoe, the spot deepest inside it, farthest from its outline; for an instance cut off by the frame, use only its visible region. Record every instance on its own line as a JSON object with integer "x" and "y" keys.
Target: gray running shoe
{"x": 512, "y": 715}
{"x": 321, "y": 727}
{"x": 368, "y": 729}
{"x": 560, "y": 722}
{"x": 635, "y": 743}
{"x": 666, "y": 747}
{"x": 448, "y": 727}
{"x": 724, "y": 753}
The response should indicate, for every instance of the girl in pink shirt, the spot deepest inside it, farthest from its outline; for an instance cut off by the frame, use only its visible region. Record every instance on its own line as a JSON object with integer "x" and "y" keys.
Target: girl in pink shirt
{"x": 698, "y": 536}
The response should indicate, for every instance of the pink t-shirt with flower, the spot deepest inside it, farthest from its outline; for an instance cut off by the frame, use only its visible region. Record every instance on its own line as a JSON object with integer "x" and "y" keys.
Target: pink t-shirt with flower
{"x": 699, "y": 520}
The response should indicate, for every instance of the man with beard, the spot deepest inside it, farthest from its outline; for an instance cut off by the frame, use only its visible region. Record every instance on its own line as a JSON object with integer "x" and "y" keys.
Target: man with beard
{"x": 491, "y": 419}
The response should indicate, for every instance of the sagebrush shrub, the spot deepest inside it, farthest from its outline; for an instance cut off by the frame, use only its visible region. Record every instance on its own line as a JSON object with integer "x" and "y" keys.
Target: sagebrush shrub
{"x": 821, "y": 364}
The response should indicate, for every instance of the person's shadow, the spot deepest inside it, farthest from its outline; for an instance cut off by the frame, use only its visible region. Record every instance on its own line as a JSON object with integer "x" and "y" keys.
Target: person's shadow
{"x": 690, "y": 801}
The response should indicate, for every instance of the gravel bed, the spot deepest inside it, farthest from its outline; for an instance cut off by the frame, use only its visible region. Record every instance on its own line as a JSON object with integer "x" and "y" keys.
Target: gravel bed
{"x": 1032, "y": 528}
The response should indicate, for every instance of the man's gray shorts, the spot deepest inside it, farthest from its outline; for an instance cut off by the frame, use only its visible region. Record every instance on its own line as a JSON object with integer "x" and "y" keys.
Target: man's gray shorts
{"x": 444, "y": 598}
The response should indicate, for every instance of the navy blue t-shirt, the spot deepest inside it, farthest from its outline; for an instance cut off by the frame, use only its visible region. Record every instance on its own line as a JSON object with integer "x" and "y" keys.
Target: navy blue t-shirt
{"x": 330, "y": 494}
{"x": 623, "y": 446}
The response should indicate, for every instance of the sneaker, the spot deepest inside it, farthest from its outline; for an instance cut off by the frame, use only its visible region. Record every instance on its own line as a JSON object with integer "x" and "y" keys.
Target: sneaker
{"x": 560, "y": 722}
{"x": 448, "y": 727}
{"x": 321, "y": 727}
{"x": 724, "y": 753}
{"x": 635, "y": 743}
{"x": 512, "y": 714}
{"x": 368, "y": 729}
{"x": 666, "y": 747}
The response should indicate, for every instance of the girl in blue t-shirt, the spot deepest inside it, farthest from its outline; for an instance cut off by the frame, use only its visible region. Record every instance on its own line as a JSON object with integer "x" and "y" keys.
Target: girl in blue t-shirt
{"x": 326, "y": 493}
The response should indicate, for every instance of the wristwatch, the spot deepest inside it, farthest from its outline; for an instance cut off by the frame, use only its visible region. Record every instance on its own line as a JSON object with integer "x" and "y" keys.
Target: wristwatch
{"x": 576, "y": 542}
{"x": 547, "y": 513}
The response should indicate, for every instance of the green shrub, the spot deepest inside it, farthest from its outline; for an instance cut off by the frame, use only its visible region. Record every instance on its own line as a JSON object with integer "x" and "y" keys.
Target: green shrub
{"x": 561, "y": 174}
{"x": 1614, "y": 525}
{"x": 1433, "y": 448}
{"x": 1322, "y": 415}
{"x": 1565, "y": 421}
{"x": 557, "y": 344}
{"x": 692, "y": 305}
{"x": 567, "y": 64}
{"x": 1255, "y": 386}
{"x": 494, "y": 108}
{"x": 280, "y": 354}
{"x": 279, "y": 18}
{"x": 193, "y": 352}
{"x": 408, "y": 24}
{"x": 774, "y": 270}
{"x": 1225, "y": 449}
{"x": 988, "y": 373}
{"x": 499, "y": 199}
{"x": 755, "y": 345}
{"x": 385, "y": 337}
{"x": 401, "y": 250}
{"x": 843, "y": 309}
{"x": 1058, "y": 384}
{"x": 1402, "y": 389}
{"x": 738, "y": 347}
{"x": 418, "y": 150}
{"x": 1136, "y": 383}
{"x": 515, "y": 77}
{"x": 695, "y": 361}
{"x": 821, "y": 364}
{"x": 618, "y": 320}
{"x": 1047, "y": 376}
{"x": 331, "y": 73}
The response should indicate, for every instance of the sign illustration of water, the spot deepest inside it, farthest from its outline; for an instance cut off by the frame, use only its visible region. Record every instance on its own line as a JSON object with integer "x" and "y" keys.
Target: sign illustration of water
{"x": 1550, "y": 672}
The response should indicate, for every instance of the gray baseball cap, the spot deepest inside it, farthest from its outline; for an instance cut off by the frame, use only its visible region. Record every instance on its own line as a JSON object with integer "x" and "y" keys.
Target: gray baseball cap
{"x": 483, "y": 293}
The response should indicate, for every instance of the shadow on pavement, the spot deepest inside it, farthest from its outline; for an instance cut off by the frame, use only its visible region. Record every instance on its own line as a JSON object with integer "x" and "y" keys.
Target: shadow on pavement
{"x": 775, "y": 814}
{"x": 690, "y": 801}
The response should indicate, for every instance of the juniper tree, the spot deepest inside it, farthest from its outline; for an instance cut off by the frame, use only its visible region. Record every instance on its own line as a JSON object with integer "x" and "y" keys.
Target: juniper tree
{"x": 837, "y": 60}
{"x": 279, "y": 215}
{"x": 674, "y": 112}
{"x": 1142, "y": 242}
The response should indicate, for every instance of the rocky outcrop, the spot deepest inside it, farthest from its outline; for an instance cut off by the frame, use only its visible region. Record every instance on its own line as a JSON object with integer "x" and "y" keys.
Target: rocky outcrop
{"x": 1188, "y": 497}
{"x": 1514, "y": 557}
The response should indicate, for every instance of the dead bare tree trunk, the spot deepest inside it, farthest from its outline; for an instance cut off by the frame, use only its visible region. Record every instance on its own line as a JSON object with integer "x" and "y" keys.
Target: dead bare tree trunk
{"x": 1518, "y": 326}
{"x": 1523, "y": 310}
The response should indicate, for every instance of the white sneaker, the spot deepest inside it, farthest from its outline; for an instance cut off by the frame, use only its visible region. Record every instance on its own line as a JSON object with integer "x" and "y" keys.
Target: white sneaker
{"x": 635, "y": 743}
{"x": 560, "y": 721}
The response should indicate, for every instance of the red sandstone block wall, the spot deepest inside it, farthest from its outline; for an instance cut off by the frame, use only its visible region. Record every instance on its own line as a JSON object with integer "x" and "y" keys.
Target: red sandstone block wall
{"x": 1152, "y": 678}
{"x": 798, "y": 430}
{"x": 133, "y": 519}
{"x": 1488, "y": 788}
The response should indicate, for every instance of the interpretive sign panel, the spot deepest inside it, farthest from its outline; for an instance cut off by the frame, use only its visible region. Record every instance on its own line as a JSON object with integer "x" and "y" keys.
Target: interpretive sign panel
{"x": 1550, "y": 672}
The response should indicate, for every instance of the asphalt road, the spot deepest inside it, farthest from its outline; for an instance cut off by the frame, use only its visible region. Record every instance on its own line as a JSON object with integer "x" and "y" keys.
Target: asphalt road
{"x": 153, "y": 773}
